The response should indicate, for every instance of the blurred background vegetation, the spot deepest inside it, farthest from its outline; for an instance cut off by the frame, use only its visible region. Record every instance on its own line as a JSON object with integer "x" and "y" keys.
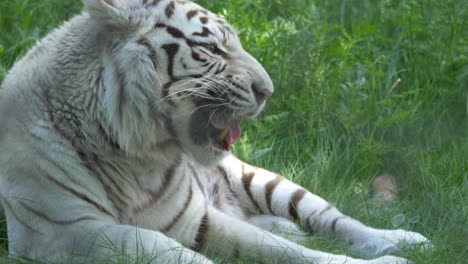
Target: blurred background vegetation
{"x": 362, "y": 88}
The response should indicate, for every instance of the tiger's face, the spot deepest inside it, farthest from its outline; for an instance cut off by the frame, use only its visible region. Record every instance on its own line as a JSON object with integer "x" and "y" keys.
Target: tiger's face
{"x": 200, "y": 80}
{"x": 210, "y": 81}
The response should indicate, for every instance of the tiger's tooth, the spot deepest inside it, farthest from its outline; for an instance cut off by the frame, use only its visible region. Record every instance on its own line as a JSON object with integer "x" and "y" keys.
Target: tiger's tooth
{"x": 223, "y": 134}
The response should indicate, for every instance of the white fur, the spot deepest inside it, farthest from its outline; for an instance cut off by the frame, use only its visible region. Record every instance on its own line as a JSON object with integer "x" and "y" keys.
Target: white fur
{"x": 98, "y": 158}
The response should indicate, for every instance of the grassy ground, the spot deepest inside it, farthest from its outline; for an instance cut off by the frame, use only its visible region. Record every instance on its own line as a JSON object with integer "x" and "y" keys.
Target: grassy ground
{"x": 339, "y": 117}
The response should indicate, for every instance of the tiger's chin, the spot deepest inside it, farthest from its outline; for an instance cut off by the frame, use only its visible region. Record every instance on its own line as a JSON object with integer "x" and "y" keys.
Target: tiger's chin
{"x": 206, "y": 156}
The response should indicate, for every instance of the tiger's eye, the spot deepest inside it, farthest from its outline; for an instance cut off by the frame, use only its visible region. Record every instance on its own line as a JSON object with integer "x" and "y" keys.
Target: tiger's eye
{"x": 212, "y": 47}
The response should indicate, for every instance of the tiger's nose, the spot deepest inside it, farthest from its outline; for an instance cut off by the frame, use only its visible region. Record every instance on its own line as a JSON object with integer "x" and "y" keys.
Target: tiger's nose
{"x": 261, "y": 93}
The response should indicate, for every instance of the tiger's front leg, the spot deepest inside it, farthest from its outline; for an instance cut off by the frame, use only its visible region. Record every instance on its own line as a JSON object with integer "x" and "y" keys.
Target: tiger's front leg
{"x": 268, "y": 193}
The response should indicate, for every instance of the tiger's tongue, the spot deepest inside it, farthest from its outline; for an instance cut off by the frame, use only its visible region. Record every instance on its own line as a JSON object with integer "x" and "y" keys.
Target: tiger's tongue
{"x": 232, "y": 135}
{"x": 230, "y": 131}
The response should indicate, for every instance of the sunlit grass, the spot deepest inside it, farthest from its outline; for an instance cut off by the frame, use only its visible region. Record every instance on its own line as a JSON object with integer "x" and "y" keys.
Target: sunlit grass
{"x": 339, "y": 117}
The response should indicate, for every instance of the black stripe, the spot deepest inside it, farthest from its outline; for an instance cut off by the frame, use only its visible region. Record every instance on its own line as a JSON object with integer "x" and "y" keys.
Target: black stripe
{"x": 233, "y": 83}
{"x": 13, "y": 213}
{"x": 197, "y": 57}
{"x": 166, "y": 97}
{"x": 176, "y": 33}
{"x": 78, "y": 194}
{"x": 224, "y": 174}
{"x": 156, "y": 195}
{"x": 191, "y": 43}
{"x": 72, "y": 179}
{"x": 292, "y": 206}
{"x": 191, "y": 14}
{"x": 58, "y": 129}
{"x": 205, "y": 32}
{"x": 109, "y": 192}
{"x": 233, "y": 102}
{"x": 193, "y": 76}
{"x": 114, "y": 196}
{"x": 57, "y": 222}
{"x": 112, "y": 142}
{"x": 145, "y": 42}
{"x": 197, "y": 179}
{"x": 169, "y": 11}
{"x": 239, "y": 97}
{"x": 201, "y": 233}
{"x": 116, "y": 169}
{"x": 92, "y": 101}
{"x": 204, "y": 20}
{"x": 308, "y": 226}
{"x": 171, "y": 51}
{"x": 221, "y": 69}
{"x": 112, "y": 181}
{"x": 210, "y": 68}
{"x": 226, "y": 179}
{"x": 269, "y": 189}
{"x": 326, "y": 209}
{"x": 179, "y": 215}
{"x": 152, "y": 3}
{"x": 58, "y": 166}
{"x": 333, "y": 225}
{"x": 206, "y": 53}
{"x": 246, "y": 180}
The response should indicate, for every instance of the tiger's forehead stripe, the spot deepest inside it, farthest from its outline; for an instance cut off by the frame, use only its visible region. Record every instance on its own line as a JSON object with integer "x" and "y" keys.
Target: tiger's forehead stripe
{"x": 151, "y": 2}
{"x": 176, "y": 33}
{"x": 222, "y": 26}
{"x": 205, "y": 32}
{"x": 204, "y": 20}
{"x": 192, "y": 13}
{"x": 170, "y": 8}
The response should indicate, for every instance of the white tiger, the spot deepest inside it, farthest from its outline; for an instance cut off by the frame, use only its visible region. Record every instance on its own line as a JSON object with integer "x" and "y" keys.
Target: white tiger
{"x": 115, "y": 134}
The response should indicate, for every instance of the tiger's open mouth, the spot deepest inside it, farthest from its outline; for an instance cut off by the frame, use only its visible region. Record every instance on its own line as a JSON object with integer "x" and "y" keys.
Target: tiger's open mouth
{"x": 217, "y": 127}
{"x": 225, "y": 131}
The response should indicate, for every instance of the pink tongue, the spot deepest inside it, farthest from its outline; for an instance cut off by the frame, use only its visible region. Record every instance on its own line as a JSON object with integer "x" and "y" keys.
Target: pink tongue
{"x": 232, "y": 135}
{"x": 232, "y": 127}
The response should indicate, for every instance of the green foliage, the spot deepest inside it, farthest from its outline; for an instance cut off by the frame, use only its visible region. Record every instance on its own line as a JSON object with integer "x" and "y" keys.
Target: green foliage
{"x": 362, "y": 88}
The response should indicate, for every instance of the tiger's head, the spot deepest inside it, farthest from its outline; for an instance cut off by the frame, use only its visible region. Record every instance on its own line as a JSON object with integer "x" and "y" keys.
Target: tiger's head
{"x": 175, "y": 72}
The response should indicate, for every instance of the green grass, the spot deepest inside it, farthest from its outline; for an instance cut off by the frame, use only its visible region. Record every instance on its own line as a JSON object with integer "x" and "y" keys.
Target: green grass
{"x": 338, "y": 117}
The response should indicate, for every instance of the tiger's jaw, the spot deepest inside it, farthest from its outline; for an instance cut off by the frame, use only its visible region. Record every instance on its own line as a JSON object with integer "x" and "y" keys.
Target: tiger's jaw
{"x": 224, "y": 130}
{"x": 209, "y": 136}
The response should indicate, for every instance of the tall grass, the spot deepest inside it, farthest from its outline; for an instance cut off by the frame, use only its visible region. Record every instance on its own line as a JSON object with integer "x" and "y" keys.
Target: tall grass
{"x": 362, "y": 88}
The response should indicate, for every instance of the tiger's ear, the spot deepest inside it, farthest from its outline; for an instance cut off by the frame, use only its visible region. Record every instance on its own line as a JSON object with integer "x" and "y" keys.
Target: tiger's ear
{"x": 120, "y": 14}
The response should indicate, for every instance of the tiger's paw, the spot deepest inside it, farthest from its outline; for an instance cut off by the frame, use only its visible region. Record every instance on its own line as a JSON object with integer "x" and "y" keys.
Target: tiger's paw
{"x": 387, "y": 260}
{"x": 384, "y": 242}
{"x": 347, "y": 260}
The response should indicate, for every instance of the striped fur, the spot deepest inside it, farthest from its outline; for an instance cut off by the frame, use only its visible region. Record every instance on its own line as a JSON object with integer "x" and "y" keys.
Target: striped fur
{"x": 115, "y": 136}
